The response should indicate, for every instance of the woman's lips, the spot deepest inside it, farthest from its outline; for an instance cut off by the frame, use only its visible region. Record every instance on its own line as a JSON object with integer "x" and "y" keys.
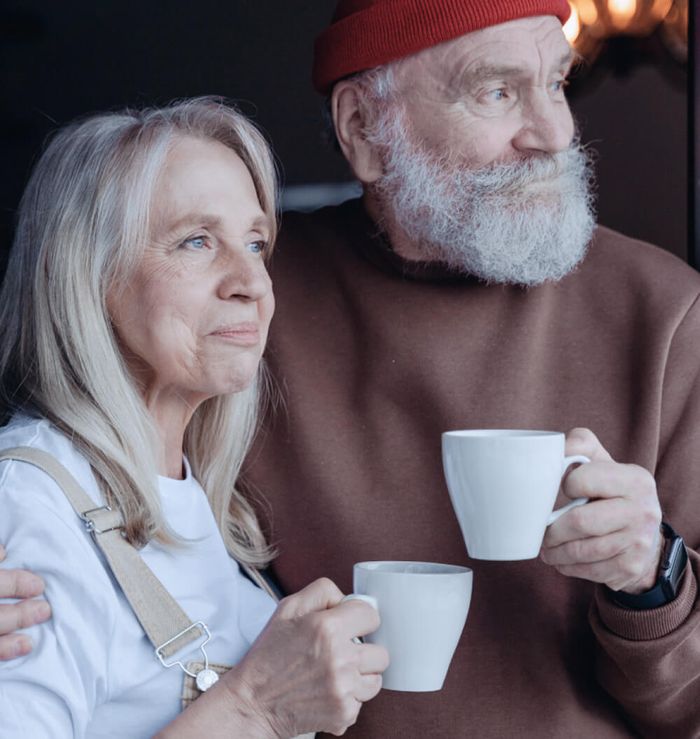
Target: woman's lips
{"x": 242, "y": 334}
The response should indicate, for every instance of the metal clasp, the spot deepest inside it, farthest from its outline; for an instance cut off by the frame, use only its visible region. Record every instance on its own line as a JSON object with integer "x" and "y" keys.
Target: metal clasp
{"x": 197, "y": 624}
{"x": 90, "y": 526}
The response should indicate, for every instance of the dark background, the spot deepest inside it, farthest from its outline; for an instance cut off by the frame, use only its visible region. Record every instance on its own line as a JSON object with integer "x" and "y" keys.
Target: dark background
{"x": 59, "y": 60}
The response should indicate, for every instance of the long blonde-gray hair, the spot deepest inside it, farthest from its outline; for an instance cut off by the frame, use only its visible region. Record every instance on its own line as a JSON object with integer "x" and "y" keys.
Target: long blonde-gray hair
{"x": 83, "y": 223}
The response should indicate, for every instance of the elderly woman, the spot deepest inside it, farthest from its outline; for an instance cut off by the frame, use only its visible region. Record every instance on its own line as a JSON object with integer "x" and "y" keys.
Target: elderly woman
{"x": 133, "y": 317}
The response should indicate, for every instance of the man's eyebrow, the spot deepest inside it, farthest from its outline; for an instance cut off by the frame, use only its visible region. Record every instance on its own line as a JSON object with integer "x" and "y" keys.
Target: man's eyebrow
{"x": 491, "y": 71}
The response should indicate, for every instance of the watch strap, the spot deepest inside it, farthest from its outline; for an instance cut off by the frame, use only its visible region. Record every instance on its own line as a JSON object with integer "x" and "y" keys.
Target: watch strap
{"x": 674, "y": 560}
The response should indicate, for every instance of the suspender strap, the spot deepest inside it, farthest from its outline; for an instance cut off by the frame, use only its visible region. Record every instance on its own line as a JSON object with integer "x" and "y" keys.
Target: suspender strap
{"x": 164, "y": 622}
{"x": 167, "y": 626}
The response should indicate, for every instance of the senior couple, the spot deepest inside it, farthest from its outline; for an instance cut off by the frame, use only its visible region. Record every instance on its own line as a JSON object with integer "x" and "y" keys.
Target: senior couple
{"x": 468, "y": 288}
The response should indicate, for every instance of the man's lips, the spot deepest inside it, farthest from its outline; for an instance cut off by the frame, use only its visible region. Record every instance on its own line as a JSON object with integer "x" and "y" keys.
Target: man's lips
{"x": 243, "y": 334}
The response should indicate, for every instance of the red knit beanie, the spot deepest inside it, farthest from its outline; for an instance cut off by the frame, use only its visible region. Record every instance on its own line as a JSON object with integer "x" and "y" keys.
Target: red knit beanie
{"x": 366, "y": 33}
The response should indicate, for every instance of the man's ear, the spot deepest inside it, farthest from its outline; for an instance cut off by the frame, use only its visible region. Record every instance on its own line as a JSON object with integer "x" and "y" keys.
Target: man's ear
{"x": 349, "y": 121}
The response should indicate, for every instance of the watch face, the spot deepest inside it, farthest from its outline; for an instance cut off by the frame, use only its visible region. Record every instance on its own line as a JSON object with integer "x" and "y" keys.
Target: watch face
{"x": 673, "y": 564}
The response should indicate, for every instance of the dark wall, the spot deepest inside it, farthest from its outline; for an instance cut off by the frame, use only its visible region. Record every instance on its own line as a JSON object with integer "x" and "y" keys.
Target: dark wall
{"x": 633, "y": 110}
{"x": 63, "y": 59}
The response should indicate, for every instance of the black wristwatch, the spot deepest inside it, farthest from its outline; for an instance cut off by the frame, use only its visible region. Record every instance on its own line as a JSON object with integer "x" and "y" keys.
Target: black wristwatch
{"x": 674, "y": 560}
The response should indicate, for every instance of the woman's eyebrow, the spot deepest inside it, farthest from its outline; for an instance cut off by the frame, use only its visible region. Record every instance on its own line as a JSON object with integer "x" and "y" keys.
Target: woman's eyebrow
{"x": 193, "y": 219}
{"x": 204, "y": 220}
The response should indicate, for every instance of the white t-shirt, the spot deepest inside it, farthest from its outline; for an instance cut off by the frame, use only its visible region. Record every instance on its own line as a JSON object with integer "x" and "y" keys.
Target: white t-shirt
{"x": 93, "y": 672}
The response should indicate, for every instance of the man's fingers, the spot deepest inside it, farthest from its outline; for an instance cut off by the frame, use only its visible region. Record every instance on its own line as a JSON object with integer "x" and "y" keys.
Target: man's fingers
{"x": 584, "y": 441}
{"x": 20, "y": 584}
{"x": 22, "y": 615}
{"x": 586, "y": 551}
{"x": 609, "y": 480}
{"x": 619, "y": 573}
{"x": 14, "y": 645}
{"x": 594, "y": 519}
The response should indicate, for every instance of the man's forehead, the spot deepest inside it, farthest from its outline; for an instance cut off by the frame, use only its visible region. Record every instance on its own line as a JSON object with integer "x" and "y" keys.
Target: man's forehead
{"x": 537, "y": 40}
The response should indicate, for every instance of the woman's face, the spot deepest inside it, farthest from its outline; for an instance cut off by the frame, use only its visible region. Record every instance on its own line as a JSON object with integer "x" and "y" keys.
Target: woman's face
{"x": 193, "y": 319}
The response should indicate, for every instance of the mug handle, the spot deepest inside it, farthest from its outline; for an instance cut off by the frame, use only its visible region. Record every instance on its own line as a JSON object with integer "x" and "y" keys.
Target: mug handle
{"x": 568, "y": 461}
{"x": 367, "y": 599}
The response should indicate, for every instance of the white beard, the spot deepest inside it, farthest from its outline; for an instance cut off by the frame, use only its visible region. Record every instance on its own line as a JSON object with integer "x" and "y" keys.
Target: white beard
{"x": 524, "y": 222}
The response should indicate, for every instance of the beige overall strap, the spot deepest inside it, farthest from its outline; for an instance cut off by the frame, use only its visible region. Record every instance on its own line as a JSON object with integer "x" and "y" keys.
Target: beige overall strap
{"x": 165, "y": 623}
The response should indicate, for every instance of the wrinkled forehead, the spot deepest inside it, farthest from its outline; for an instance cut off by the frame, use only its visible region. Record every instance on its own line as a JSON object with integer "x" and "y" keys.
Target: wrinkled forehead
{"x": 533, "y": 45}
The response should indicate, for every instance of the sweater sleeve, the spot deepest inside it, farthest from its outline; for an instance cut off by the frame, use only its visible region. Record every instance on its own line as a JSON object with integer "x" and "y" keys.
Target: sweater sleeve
{"x": 649, "y": 660}
{"x": 53, "y": 691}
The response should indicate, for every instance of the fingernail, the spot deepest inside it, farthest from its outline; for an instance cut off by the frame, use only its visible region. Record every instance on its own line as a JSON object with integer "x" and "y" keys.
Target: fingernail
{"x": 42, "y": 611}
{"x": 34, "y": 582}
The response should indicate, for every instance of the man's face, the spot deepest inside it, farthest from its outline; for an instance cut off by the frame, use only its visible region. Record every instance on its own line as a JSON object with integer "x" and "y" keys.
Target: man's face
{"x": 491, "y": 96}
{"x": 478, "y": 167}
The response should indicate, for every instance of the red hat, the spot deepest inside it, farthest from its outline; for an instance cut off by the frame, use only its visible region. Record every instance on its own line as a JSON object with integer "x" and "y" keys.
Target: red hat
{"x": 366, "y": 33}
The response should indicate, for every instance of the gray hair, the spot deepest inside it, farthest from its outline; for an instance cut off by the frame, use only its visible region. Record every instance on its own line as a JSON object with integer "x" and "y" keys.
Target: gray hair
{"x": 82, "y": 226}
{"x": 377, "y": 87}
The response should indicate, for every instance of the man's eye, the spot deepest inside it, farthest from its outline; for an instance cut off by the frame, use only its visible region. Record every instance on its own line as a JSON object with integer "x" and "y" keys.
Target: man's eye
{"x": 196, "y": 242}
{"x": 257, "y": 247}
{"x": 497, "y": 95}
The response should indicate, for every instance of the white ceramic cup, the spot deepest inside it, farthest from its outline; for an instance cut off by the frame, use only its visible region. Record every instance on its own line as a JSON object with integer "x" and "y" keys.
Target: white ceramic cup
{"x": 423, "y": 608}
{"x": 503, "y": 485}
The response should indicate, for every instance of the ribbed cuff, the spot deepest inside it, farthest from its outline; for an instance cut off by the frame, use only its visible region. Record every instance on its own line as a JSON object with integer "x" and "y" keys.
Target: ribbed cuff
{"x": 654, "y": 623}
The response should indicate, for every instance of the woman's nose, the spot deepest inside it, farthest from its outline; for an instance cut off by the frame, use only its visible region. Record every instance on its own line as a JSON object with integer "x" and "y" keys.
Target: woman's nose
{"x": 244, "y": 277}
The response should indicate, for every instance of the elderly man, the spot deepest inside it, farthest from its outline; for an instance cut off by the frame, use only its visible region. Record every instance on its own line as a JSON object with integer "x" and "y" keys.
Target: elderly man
{"x": 471, "y": 288}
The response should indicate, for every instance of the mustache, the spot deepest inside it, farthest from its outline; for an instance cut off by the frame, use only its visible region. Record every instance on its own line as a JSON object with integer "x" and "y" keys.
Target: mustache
{"x": 504, "y": 179}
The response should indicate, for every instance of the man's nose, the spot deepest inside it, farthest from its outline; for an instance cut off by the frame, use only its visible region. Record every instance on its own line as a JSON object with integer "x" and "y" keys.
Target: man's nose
{"x": 547, "y": 125}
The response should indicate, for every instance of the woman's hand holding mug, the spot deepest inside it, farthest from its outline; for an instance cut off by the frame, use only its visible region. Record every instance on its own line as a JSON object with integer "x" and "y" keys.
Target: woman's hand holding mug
{"x": 304, "y": 672}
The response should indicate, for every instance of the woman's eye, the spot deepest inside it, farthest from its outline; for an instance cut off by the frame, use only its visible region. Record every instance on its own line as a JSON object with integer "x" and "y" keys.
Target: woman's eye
{"x": 257, "y": 247}
{"x": 560, "y": 85}
{"x": 196, "y": 242}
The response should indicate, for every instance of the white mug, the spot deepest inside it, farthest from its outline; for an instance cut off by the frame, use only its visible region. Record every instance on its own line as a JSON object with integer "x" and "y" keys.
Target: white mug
{"x": 423, "y": 607}
{"x": 503, "y": 485}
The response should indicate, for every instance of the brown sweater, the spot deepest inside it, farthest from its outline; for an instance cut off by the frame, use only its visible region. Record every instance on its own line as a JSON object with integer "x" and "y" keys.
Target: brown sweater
{"x": 375, "y": 359}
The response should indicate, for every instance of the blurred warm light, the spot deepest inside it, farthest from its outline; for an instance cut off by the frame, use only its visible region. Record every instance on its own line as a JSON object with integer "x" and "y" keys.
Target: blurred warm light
{"x": 592, "y": 21}
{"x": 621, "y": 12}
{"x": 588, "y": 13}
{"x": 572, "y": 27}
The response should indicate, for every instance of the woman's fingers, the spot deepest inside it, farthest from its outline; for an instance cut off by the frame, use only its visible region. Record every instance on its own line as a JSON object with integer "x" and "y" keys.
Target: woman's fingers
{"x": 372, "y": 659}
{"x": 367, "y": 687}
{"x": 356, "y": 618}
{"x": 319, "y": 595}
